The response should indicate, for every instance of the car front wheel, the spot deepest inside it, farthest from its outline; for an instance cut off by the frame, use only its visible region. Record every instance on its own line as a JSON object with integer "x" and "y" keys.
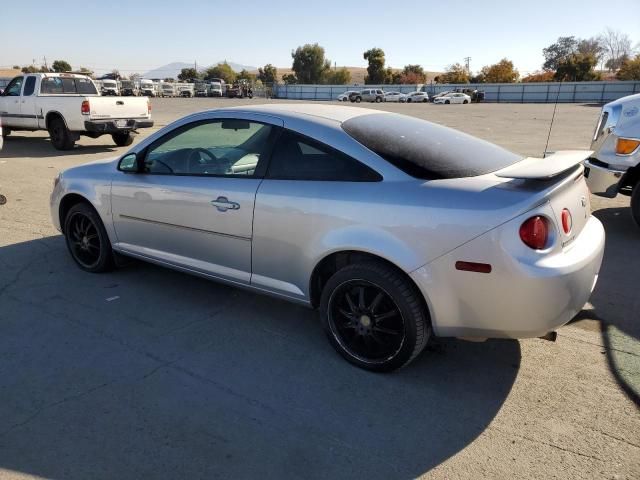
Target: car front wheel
{"x": 374, "y": 316}
{"x": 87, "y": 240}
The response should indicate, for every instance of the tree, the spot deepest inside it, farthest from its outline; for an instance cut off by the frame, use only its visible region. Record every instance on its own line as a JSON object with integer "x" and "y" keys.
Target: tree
{"x": 375, "y": 70}
{"x": 289, "y": 79}
{"x": 61, "y": 66}
{"x": 222, "y": 70}
{"x": 341, "y": 76}
{"x": 86, "y": 71}
{"x": 577, "y": 67}
{"x": 539, "y": 77}
{"x": 557, "y": 52}
{"x": 309, "y": 64}
{"x": 188, "y": 74}
{"x": 617, "y": 48}
{"x": 412, "y": 74}
{"x": 455, "y": 73}
{"x": 168, "y": 80}
{"x": 244, "y": 73}
{"x": 268, "y": 74}
{"x": 591, "y": 46}
{"x": 630, "y": 69}
{"x": 135, "y": 76}
{"x": 501, "y": 72}
{"x": 16, "y": 67}
{"x": 29, "y": 69}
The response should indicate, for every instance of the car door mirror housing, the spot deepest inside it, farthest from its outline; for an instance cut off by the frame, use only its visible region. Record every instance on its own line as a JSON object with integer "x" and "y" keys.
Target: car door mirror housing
{"x": 129, "y": 163}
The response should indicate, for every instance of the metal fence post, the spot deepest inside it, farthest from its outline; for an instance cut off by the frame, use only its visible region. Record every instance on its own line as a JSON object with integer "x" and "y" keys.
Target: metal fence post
{"x": 498, "y": 95}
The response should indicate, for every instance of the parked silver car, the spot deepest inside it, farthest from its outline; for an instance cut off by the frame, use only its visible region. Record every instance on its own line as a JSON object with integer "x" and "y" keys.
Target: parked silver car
{"x": 396, "y": 228}
{"x": 368, "y": 95}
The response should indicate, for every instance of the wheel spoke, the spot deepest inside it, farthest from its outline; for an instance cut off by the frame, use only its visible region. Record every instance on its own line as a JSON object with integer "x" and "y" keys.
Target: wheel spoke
{"x": 376, "y": 302}
{"x": 377, "y": 339}
{"x": 388, "y": 331}
{"x": 352, "y": 305}
{"x": 349, "y": 315}
{"x": 361, "y": 304}
{"x": 384, "y": 316}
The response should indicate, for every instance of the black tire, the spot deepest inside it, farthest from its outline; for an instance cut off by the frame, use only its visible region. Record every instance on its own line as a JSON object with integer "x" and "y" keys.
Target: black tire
{"x": 6, "y": 132}
{"x": 635, "y": 204}
{"x": 447, "y": 102}
{"x": 87, "y": 240}
{"x": 358, "y": 99}
{"x": 122, "y": 139}
{"x": 356, "y": 332}
{"x": 408, "y": 100}
{"x": 424, "y": 100}
{"x": 345, "y": 99}
{"x": 465, "y": 102}
{"x": 378, "y": 99}
{"x": 60, "y": 135}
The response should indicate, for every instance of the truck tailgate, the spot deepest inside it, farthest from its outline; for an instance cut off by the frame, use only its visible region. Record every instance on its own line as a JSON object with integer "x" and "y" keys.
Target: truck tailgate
{"x": 119, "y": 107}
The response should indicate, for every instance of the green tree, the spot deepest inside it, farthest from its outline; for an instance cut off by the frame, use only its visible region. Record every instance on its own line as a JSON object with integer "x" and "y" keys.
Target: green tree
{"x": 188, "y": 74}
{"x": 86, "y": 71}
{"x": 29, "y": 69}
{"x": 309, "y": 64}
{"x": 289, "y": 79}
{"x": 376, "y": 73}
{"x": 341, "y": 76}
{"x": 577, "y": 67}
{"x": 244, "y": 73}
{"x": 555, "y": 53}
{"x": 16, "y": 67}
{"x": 501, "y": 72}
{"x": 412, "y": 74}
{"x": 630, "y": 69}
{"x": 268, "y": 74}
{"x": 455, "y": 73}
{"x": 61, "y": 66}
{"x": 223, "y": 71}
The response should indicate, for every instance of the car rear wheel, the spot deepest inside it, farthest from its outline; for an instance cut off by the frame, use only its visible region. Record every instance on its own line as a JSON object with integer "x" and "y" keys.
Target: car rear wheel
{"x": 60, "y": 135}
{"x": 635, "y": 204}
{"x": 87, "y": 240}
{"x": 123, "y": 139}
{"x": 424, "y": 100}
{"x": 374, "y": 316}
{"x": 358, "y": 99}
{"x": 447, "y": 102}
{"x": 345, "y": 99}
{"x": 378, "y": 99}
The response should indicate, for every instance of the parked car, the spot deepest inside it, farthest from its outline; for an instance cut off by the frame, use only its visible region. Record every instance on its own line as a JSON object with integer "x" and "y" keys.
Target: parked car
{"x": 394, "y": 97}
{"x": 129, "y": 88}
{"x": 346, "y": 96}
{"x": 432, "y": 98}
{"x": 185, "y": 90}
{"x": 396, "y": 228}
{"x": 368, "y": 95}
{"x": 453, "y": 97}
{"x": 614, "y": 166}
{"x": 201, "y": 89}
{"x": 414, "y": 97}
{"x": 167, "y": 89}
{"x": 215, "y": 89}
{"x": 476, "y": 96}
{"x": 110, "y": 87}
{"x": 67, "y": 106}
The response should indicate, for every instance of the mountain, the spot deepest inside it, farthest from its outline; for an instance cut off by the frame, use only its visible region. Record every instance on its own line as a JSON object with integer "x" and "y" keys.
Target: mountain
{"x": 171, "y": 70}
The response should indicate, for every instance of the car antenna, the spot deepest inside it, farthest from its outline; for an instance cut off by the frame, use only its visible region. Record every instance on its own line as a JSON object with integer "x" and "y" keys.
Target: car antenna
{"x": 555, "y": 106}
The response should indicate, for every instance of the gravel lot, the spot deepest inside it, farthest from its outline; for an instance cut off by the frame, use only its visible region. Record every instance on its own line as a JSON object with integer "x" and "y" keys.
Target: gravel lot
{"x": 149, "y": 373}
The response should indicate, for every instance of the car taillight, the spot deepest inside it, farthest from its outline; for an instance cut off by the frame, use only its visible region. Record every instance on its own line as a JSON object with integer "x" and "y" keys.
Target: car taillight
{"x": 85, "y": 109}
{"x": 534, "y": 232}
{"x": 567, "y": 221}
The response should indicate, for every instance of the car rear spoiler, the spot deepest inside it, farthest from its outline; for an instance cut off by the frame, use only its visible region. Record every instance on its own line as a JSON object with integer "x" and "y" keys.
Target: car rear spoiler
{"x": 542, "y": 168}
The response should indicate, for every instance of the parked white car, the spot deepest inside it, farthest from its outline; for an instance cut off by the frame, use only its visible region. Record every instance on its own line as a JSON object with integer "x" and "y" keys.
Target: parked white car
{"x": 67, "y": 106}
{"x": 414, "y": 97}
{"x": 453, "y": 98}
{"x": 394, "y": 97}
{"x": 345, "y": 97}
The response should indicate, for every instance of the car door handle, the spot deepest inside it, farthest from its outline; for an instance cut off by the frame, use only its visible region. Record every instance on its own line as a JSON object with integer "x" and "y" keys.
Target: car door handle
{"x": 223, "y": 204}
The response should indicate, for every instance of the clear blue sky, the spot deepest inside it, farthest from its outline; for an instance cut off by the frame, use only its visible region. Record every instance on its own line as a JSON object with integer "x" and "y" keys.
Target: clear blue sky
{"x": 136, "y": 36}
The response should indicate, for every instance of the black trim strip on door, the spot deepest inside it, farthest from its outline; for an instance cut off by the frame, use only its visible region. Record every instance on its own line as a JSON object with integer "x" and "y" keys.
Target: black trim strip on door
{"x": 210, "y": 232}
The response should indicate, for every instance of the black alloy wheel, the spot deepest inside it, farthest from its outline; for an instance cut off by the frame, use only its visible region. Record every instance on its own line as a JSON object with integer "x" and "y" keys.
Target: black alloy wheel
{"x": 87, "y": 239}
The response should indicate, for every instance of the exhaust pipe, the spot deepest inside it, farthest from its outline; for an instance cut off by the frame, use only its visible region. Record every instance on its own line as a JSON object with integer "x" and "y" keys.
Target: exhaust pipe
{"x": 551, "y": 336}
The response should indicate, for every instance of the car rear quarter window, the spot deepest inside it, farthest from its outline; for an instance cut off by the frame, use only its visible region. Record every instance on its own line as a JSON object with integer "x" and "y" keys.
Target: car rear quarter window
{"x": 426, "y": 150}
{"x": 29, "y": 86}
{"x": 296, "y": 157}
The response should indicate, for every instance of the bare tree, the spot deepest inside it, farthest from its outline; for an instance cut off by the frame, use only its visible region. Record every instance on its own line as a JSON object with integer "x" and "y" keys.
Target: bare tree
{"x": 617, "y": 48}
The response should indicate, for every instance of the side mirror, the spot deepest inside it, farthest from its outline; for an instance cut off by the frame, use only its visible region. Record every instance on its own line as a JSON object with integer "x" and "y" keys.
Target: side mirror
{"x": 129, "y": 163}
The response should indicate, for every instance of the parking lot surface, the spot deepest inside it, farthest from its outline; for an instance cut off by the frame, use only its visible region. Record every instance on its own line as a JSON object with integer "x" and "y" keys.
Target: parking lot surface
{"x": 150, "y": 373}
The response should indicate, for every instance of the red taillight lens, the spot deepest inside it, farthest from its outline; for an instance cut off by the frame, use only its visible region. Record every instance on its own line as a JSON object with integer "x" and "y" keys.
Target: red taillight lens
{"x": 85, "y": 108}
{"x": 535, "y": 232}
{"x": 567, "y": 221}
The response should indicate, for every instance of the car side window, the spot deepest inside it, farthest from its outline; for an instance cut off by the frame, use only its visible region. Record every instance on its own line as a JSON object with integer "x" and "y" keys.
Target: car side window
{"x": 14, "y": 87}
{"x": 29, "y": 86}
{"x": 297, "y": 157}
{"x": 221, "y": 147}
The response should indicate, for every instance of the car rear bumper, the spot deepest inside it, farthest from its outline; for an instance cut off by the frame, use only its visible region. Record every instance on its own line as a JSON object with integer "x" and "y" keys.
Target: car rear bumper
{"x": 601, "y": 180}
{"x": 518, "y": 298}
{"x": 110, "y": 126}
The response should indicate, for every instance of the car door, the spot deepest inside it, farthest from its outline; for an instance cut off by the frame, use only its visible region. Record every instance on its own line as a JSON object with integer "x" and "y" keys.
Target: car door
{"x": 190, "y": 202}
{"x": 11, "y": 116}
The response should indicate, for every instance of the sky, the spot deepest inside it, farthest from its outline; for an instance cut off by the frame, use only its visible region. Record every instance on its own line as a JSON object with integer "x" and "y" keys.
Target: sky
{"x": 142, "y": 35}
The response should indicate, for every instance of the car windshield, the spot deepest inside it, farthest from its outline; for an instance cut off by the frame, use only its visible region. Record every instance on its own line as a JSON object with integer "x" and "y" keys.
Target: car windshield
{"x": 426, "y": 150}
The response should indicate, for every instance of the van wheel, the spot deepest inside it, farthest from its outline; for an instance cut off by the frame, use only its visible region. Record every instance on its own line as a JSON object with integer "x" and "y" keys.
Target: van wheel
{"x": 374, "y": 316}
{"x": 635, "y": 204}
{"x": 60, "y": 135}
{"x": 123, "y": 139}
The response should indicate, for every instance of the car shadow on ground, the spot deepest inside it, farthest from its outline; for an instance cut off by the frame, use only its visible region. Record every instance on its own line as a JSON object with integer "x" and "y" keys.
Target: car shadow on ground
{"x": 616, "y": 312}
{"x": 149, "y": 373}
{"x": 16, "y": 146}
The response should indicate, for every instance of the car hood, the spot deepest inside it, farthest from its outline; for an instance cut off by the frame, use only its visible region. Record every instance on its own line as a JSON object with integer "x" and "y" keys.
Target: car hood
{"x": 97, "y": 167}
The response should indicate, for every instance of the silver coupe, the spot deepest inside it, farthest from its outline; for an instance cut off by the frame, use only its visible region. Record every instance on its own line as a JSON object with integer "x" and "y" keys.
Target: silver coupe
{"x": 395, "y": 228}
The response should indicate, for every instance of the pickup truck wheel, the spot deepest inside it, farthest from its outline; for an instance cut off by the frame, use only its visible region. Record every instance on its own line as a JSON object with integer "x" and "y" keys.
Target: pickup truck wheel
{"x": 6, "y": 132}
{"x": 123, "y": 139}
{"x": 87, "y": 240}
{"x": 60, "y": 136}
{"x": 374, "y": 316}
{"x": 635, "y": 204}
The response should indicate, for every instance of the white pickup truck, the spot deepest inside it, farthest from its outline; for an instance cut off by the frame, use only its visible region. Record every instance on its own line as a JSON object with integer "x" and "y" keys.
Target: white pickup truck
{"x": 614, "y": 166}
{"x": 67, "y": 106}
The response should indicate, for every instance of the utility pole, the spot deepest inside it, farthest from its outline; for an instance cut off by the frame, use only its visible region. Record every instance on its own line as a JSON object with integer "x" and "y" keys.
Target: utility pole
{"x": 44, "y": 59}
{"x": 467, "y": 61}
